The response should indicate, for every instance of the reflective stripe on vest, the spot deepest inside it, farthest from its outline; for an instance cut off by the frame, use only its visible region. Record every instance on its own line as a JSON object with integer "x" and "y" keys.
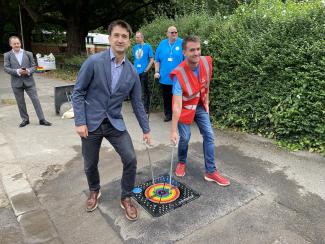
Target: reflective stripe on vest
{"x": 191, "y": 107}
{"x": 187, "y": 83}
{"x": 207, "y": 67}
{"x": 191, "y": 97}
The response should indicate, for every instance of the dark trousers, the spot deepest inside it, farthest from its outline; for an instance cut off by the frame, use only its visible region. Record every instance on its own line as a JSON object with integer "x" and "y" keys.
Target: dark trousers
{"x": 20, "y": 99}
{"x": 167, "y": 92}
{"x": 121, "y": 141}
{"x": 145, "y": 90}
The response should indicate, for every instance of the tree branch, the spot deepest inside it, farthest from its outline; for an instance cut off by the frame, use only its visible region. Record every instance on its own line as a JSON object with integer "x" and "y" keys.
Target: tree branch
{"x": 34, "y": 15}
{"x": 133, "y": 10}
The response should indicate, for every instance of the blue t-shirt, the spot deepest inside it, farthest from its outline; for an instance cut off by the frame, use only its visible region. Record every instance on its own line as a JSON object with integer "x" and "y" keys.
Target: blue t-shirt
{"x": 177, "y": 89}
{"x": 142, "y": 55}
{"x": 169, "y": 56}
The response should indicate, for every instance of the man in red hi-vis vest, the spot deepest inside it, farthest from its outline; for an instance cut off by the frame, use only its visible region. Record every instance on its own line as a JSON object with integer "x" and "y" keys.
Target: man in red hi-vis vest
{"x": 191, "y": 103}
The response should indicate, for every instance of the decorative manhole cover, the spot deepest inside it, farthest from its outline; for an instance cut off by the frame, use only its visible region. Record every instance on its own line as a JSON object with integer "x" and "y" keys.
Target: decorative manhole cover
{"x": 161, "y": 198}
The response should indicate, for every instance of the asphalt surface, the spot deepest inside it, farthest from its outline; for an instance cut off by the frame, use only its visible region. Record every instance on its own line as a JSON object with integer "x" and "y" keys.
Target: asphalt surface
{"x": 44, "y": 189}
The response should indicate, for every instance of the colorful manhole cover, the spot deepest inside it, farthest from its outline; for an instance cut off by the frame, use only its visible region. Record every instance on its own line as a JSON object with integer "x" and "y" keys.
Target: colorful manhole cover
{"x": 162, "y": 193}
{"x": 161, "y": 198}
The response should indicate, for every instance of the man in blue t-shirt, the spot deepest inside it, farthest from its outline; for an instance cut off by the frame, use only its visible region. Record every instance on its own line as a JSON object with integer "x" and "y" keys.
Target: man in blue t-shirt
{"x": 168, "y": 55}
{"x": 143, "y": 60}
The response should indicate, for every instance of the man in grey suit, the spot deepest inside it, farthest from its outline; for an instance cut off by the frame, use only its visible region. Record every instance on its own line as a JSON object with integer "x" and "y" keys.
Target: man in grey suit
{"x": 21, "y": 66}
{"x": 104, "y": 81}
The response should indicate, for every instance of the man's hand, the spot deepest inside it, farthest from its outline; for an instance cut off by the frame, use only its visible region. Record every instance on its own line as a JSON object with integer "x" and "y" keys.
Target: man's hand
{"x": 82, "y": 131}
{"x": 174, "y": 137}
{"x": 157, "y": 75}
{"x": 23, "y": 72}
{"x": 147, "y": 138}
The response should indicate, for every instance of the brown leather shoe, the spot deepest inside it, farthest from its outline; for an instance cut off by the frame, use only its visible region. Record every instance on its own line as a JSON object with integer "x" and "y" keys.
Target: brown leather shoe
{"x": 131, "y": 212}
{"x": 92, "y": 201}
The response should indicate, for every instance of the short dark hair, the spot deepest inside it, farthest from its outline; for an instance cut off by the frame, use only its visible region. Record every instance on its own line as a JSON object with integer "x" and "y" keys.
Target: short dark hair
{"x": 190, "y": 38}
{"x": 140, "y": 33}
{"x": 13, "y": 37}
{"x": 121, "y": 23}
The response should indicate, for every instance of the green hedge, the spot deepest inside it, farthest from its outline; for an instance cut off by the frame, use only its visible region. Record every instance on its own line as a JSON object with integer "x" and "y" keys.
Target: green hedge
{"x": 269, "y": 68}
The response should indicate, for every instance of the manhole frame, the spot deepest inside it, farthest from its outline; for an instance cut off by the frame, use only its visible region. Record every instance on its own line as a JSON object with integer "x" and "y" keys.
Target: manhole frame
{"x": 187, "y": 195}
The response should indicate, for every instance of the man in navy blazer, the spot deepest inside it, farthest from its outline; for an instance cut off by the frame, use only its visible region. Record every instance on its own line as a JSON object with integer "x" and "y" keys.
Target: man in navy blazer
{"x": 104, "y": 81}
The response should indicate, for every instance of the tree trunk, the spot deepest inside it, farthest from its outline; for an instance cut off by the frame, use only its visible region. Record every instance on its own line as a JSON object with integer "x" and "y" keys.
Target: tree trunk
{"x": 3, "y": 43}
{"x": 76, "y": 34}
{"x": 28, "y": 26}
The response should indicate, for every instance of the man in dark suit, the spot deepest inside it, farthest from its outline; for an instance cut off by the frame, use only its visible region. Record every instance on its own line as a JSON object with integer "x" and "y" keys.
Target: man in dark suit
{"x": 21, "y": 66}
{"x": 104, "y": 81}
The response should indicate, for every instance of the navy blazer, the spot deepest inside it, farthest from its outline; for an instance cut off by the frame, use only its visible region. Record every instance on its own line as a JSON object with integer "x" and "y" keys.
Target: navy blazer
{"x": 93, "y": 99}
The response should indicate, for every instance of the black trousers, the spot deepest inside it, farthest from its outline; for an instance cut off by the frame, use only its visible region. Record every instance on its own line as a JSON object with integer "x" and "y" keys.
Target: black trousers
{"x": 122, "y": 143}
{"x": 145, "y": 90}
{"x": 167, "y": 93}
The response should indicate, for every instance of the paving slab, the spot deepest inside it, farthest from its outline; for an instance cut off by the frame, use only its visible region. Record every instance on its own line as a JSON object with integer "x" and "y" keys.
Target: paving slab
{"x": 214, "y": 203}
{"x": 19, "y": 191}
{"x": 24, "y": 202}
{"x": 9, "y": 228}
{"x": 36, "y": 227}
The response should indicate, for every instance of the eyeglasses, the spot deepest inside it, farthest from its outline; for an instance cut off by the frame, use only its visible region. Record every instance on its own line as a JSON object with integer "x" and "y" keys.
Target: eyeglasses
{"x": 173, "y": 32}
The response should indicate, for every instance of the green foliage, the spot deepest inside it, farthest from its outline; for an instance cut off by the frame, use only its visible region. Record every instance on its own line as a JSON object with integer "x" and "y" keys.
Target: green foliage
{"x": 269, "y": 68}
{"x": 68, "y": 67}
{"x": 69, "y": 75}
{"x": 48, "y": 33}
{"x": 223, "y": 7}
{"x": 75, "y": 61}
{"x": 201, "y": 24}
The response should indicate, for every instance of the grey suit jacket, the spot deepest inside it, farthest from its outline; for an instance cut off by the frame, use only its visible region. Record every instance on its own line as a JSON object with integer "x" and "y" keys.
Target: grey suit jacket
{"x": 11, "y": 65}
{"x": 93, "y": 99}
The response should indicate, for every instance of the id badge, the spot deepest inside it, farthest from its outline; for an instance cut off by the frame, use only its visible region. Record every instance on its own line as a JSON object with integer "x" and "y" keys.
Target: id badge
{"x": 139, "y": 65}
{"x": 170, "y": 59}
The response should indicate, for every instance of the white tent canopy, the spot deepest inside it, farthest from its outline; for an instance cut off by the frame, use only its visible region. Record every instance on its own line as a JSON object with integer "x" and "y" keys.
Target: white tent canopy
{"x": 99, "y": 38}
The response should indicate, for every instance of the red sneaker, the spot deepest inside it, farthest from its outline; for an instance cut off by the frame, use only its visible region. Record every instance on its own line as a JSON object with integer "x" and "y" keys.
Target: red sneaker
{"x": 217, "y": 178}
{"x": 180, "y": 169}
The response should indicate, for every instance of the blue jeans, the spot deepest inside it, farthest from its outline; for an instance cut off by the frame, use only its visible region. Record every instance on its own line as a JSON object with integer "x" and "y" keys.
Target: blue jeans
{"x": 121, "y": 141}
{"x": 202, "y": 120}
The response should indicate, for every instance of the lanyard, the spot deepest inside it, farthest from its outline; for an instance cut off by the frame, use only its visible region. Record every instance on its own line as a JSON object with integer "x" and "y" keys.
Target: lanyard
{"x": 171, "y": 48}
{"x": 140, "y": 52}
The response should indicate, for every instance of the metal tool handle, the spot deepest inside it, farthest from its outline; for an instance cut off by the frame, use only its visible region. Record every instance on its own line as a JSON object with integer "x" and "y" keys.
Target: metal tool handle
{"x": 151, "y": 168}
{"x": 173, "y": 145}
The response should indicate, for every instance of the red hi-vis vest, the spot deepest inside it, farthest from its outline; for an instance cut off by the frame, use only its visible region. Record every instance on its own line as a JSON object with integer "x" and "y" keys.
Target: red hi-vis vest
{"x": 194, "y": 88}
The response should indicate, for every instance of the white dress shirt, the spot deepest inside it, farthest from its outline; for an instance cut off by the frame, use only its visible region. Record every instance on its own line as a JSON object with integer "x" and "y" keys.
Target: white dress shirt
{"x": 19, "y": 56}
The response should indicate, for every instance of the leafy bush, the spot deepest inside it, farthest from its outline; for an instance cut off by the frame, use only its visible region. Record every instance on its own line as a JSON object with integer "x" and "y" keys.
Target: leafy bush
{"x": 68, "y": 68}
{"x": 200, "y": 24}
{"x": 269, "y": 68}
{"x": 75, "y": 61}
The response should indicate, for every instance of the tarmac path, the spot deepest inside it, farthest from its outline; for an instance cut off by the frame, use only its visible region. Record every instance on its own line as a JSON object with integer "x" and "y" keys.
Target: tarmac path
{"x": 42, "y": 187}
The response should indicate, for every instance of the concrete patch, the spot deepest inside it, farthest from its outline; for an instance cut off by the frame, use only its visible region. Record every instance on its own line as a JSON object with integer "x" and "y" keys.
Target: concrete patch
{"x": 35, "y": 224}
{"x": 214, "y": 203}
{"x": 14, "y": 181}
{"x": 36, "y": 227}
{"x": 10, "y": 235}
{"x": 261, "y": 221}
{"x": 6, "y": 153}
{"x": 2, "y": 139}
{"x": 23, "y": 203}
{"x": 9, "y": 228}
{"x": 4, "y": 201}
